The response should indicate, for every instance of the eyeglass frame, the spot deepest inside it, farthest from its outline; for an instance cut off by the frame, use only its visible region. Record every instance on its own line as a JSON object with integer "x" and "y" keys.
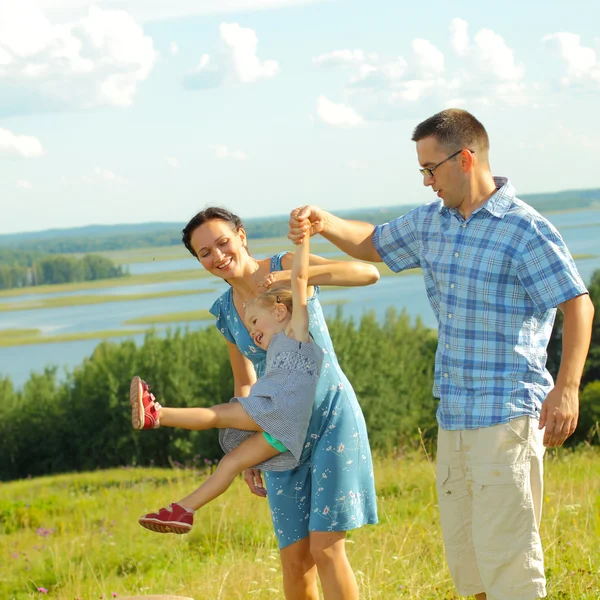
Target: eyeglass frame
{"x": 428, "y": 171}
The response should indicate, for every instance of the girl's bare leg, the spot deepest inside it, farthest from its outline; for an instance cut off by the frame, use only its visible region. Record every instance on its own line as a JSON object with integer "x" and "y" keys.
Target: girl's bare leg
{"x": 250, "y": 452}
{"x": 219, "y": 416}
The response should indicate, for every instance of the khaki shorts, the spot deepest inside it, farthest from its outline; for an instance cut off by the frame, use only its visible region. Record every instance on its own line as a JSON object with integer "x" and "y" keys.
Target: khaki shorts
{"x": 490, "y": 488}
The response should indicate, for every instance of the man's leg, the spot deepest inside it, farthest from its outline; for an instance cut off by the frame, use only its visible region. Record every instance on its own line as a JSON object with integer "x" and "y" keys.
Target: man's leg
{"x": 505, "y": 465}
{"x": 455, "y": 505}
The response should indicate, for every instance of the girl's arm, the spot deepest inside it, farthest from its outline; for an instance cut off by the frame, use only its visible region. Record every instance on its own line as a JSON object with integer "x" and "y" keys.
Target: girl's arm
{"x": 244, "y": 375}
{"x": 299, "y": 284}
{"x": 321, "y": 271}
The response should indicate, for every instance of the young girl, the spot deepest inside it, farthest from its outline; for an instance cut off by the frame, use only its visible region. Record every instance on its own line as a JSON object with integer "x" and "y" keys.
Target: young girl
{"x": 266, "y": 429}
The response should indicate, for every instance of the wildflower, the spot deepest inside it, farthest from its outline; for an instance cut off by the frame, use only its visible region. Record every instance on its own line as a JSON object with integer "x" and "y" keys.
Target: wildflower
{"x": 42, "y": 590}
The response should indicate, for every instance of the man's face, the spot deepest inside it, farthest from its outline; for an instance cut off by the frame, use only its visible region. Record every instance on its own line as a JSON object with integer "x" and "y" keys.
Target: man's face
{"x": 449, "y": 181}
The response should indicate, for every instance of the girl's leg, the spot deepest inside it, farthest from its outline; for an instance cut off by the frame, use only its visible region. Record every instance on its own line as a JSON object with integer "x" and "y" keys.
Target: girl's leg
{"x": 146, "y": 413}
{"x": 219, "y": 416}
{"x": 299, "y": 571}
{"x": 250, "y": 452}
{"x": 177, "y": 518}
{"x": 328, "y": 550}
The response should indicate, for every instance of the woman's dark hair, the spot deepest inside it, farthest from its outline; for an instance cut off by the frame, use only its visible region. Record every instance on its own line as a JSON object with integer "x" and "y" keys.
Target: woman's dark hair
{"x": 208, "y": 214}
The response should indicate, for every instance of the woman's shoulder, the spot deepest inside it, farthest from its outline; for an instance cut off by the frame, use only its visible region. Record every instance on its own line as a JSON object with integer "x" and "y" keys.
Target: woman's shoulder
{"x": 222, "y": 304}
{"x": 277, "y": 261}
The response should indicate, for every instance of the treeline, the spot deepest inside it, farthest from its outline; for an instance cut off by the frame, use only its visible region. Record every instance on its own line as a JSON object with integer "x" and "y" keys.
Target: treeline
{"x": 26, "y": 268}
{"x": 101, "y": 238}
{"x": 83, "y": 423}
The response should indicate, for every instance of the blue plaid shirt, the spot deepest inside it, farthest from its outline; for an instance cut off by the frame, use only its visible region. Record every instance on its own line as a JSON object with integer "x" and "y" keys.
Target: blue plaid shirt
{"x": 494, "y": 282}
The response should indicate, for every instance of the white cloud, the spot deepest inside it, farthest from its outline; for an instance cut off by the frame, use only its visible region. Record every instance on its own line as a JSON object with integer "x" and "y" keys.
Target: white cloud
{"x": 237, "y": 62}
{"x": 459, "y": 36}
{"x": 339, "y": 58}
{"x": 430, "y": 60}
{"x": 381, "y": 75}
{"x": 23, "y": 184}
{"x": 495, "y": 57}
{"x": 225, "y": 153}
{"x": 337, "y": 115}
{"x": 23, "y": 146}
{"x": 581, "y": 62}
{"x": 145, "y": 10}
{"x": 108, "y": 176}
{"x": 173, "y": 162}
{"x": 173, "y": 48}
{"x": 94, "y": 61}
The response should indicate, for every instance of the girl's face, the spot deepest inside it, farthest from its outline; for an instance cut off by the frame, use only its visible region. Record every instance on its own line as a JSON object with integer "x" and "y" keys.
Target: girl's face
{"x": 220, "y": 250}
{"x": 264, "y": 323}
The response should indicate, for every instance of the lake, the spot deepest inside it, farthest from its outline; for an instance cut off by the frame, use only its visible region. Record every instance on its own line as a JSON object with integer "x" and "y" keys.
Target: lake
{"x": 580, "y": 229}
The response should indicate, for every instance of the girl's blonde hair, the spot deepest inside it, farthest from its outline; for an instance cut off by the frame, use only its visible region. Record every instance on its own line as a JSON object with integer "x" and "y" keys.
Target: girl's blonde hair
{"x": 279, "y": 294}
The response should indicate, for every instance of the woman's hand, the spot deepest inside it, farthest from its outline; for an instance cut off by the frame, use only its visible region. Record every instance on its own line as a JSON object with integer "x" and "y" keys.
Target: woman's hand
{"x": 275, "y": 277}
{"x": 253, "y": 478}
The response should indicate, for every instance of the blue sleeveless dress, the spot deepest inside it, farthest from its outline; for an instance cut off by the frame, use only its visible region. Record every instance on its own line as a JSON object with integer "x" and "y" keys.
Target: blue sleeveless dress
{"x": 333, "y": 487}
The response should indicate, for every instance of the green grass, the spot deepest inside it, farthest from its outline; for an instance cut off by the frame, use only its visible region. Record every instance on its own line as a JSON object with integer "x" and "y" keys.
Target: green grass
{"x": 16, "y": 333}
{"x": 77, "y": 536}
{"x": 36, "y": 338}
{"x": 148, "y": 278}
{"x": 177, "y": 317}
{"x": 64, "y": 301}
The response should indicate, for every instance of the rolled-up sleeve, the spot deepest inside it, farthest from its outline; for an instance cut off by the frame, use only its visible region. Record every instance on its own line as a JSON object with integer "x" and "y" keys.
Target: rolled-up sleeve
{"x": 547, "y": 270}
{"x": 397, "y": 242}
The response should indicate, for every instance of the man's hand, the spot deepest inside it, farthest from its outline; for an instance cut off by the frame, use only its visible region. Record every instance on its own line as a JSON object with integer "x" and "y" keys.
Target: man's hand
{"x": 306, "y": 219}
{"x": 254, "y": 480}
{"x": 560, "y": 412}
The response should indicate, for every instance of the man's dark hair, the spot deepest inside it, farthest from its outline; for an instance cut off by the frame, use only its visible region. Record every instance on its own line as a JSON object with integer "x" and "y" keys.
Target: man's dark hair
{"x": 208, "y": 214}
{"x": 454, "y": 129}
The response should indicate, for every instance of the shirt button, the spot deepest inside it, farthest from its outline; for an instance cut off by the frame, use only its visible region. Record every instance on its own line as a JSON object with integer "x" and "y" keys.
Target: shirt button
{"x": 447, "y": 345}
{"x": 456, "y": 254}
{"x": 450, "y": 316}
{"x": 446, "y": 375}
{"x": 452, "y": 285}
{"x": 463, "y": 225}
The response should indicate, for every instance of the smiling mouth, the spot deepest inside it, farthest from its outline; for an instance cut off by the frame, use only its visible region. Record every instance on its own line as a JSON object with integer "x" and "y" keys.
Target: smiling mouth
{"x": 225, "y": 264}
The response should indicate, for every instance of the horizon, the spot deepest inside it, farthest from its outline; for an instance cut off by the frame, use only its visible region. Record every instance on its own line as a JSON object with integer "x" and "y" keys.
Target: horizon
{"x": 277, "y": 216}
{"x": 133, "y": 115}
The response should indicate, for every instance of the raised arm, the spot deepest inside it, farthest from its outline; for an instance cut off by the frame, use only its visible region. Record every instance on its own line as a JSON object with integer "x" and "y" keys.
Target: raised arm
{"x": 299, "y": 284}
{"x": 355, "y": 238}
{"x": 322, "y": 271}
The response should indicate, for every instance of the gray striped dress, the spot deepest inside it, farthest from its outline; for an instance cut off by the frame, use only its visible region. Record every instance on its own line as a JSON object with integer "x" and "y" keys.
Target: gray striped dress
{"x": 281, "y": 401}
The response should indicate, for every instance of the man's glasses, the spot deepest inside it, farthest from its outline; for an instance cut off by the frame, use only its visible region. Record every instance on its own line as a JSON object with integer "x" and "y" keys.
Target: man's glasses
{"x": 428, "y": 171}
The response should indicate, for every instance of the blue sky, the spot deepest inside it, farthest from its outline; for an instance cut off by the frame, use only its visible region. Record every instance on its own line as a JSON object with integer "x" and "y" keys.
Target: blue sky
{"x": 123, "y": 111}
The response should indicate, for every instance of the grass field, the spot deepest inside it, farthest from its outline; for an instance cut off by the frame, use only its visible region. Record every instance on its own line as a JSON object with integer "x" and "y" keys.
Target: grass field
{"x": 77, "y": 536}
{"x": 66, "y": 301}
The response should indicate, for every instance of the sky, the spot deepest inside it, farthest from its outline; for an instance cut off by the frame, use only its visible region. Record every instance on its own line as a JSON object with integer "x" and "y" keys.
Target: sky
{"x": 128, "y": 111}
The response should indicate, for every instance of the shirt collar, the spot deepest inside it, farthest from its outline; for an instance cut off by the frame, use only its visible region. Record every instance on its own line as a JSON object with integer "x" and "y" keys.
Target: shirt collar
{"x": 499, "y": 203}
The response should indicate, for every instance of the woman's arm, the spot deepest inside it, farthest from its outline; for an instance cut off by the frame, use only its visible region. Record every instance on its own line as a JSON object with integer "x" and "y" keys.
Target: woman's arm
{"x": 321, "y": 271}
{"x": 244, "y": 375}
{"x": 299, "y": 284}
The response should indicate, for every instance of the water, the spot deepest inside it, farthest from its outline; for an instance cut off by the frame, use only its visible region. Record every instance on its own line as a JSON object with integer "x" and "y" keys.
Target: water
{"x": 581, "y": 231}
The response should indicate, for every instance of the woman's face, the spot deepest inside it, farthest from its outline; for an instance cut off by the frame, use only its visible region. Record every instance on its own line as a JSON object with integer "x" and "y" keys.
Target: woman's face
{"x": 220, "y": 250}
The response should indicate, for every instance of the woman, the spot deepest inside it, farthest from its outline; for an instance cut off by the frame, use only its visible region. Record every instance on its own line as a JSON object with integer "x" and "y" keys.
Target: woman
{"x": 332, "y": 490}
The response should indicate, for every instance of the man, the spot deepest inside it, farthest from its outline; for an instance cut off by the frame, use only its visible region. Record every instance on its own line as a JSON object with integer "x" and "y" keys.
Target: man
{"x": 495, "y": 271}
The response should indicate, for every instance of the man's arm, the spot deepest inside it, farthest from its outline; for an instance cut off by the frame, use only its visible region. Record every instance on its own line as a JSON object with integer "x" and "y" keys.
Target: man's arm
{"x": 560, "y": 410}
{"x": 355, "y": 238}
